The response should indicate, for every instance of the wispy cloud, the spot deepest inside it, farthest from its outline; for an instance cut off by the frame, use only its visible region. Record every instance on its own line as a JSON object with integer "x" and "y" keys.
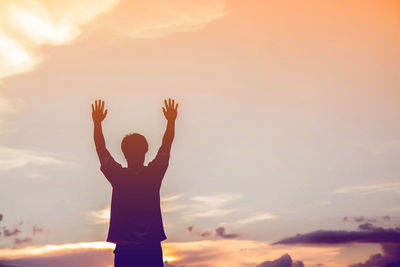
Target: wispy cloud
{"x": 369, "y": 189}
{"x": 213, "y": 205}
{"x": 152, "y": 19}
{"x": 26, "y": 25}
{"x": 360, "y": 219}
{"x": 11, "y": 158}
{"x": 100, "y": 216}
{"x": 168, "y": 204}
{"x": 172, "y": 203}
{"x": 257, "y": 218}
{"x": 321, "y": 203}
{"x": 382, "y": 147}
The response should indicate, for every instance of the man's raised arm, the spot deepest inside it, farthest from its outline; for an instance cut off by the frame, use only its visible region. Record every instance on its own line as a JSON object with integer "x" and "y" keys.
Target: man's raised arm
{"x": 170, "y": 112}
{"x": 98, "y": 115}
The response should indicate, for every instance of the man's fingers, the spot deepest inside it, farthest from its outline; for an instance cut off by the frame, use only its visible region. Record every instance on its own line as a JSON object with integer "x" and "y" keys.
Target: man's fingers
{"x": 102, "y": 106}
{"x": 105, "y": 113}
{"x": 173, "y": 103}
{"x": 164, "y": 111}
{"x": 176, "y": 107}
{"x": 92, "y": 108}
{"x": 169, "y": 102}
{"x": 165, "y": 102}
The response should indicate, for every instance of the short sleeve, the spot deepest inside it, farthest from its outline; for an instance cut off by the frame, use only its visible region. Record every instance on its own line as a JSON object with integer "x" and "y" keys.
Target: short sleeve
{"x": 110, "y": 167}
{"x": 160, "y": 163}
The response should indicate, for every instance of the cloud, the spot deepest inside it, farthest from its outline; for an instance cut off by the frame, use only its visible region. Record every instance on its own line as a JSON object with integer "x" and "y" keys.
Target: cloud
{"x": 168, "y": 204}
{"x": 28, "y": 24}
{"x": 221, "y": 232}
{"x": 359, "y": 219}
{"x": 257, "y": 218}
{"x": 1, "y": 217}
{"x": 22, "y": 241}
{"x": 221, "y": 252}
{"x": 384, "y": 147}
{"x": 212, "y": 205}
{"x": 205, "y": 234}
{"x": 388, "y": 238}
{"x": 11, "y": 158}
{"x": 36, "y": 229}
{"x": 83, "y": 256}
{"x": 389, "y": 258}
{"x": 284, "y": 261}
{"x": 14, "y": 232}
{"x": 153, "y": 19}
{"x": 321, "y": 203}
{"x": 368, "y": 234}
{"x": 9, "y": 233}
{"x": 100, "y": 216}
{"x": 369, "y": 189}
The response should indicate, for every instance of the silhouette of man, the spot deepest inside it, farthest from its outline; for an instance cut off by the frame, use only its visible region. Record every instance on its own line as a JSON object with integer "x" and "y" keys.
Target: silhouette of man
{"x": 136, "y": 225}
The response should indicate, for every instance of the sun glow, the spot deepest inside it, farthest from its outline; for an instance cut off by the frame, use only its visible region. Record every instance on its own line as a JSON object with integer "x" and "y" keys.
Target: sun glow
{"x": 50, "y": 249}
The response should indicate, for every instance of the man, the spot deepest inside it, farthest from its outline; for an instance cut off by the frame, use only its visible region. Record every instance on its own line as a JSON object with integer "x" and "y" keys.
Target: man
{"x": 136, "y": 225}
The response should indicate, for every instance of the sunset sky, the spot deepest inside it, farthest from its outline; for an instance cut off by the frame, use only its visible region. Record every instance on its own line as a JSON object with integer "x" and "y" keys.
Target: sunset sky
{"x": 289, "y": 123}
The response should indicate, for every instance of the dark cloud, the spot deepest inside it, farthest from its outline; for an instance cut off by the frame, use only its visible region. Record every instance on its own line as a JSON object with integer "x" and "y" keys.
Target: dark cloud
{"x": 221, "y": 232}
{"x": 369, "y": 233}
{"x": 389, "y": 258}
{"x": 19, "y": 242}
{"x": 205, "y": 234}
{"x": 284, "y": 261}
{"x": 388, "y": 238}
{"x": 8, "y": 232}
{"x": 36, "y": 229}
{"x": 360, "y": 219}
{"x": 298, "y": 264}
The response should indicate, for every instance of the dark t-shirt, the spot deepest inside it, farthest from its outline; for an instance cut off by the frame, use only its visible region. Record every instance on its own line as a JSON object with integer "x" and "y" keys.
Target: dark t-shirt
{"x": 135, "y": 205}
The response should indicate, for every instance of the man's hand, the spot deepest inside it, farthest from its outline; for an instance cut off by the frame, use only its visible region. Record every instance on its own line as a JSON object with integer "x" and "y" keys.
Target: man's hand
{"x": 170, "y": 110}
{"x": 98, "y": 112}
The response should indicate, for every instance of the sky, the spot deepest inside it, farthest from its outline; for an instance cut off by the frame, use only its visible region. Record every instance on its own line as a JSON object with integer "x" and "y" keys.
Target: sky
{"x": 288, "y": 124}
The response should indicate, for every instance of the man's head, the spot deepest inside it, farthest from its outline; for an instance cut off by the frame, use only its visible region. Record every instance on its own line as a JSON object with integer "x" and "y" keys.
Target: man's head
{"x": 134, "y": 146}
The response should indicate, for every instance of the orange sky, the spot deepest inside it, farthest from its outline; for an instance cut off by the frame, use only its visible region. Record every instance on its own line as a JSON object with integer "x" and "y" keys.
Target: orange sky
{"x": 288, "y": 119}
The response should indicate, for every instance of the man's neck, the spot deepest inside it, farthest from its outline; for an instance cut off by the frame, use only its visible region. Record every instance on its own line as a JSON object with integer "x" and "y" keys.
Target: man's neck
{"x": 135, "y": 166}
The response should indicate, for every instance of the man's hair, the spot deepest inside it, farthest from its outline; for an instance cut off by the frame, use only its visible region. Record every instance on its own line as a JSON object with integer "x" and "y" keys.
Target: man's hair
{"x": 134, "y": 144}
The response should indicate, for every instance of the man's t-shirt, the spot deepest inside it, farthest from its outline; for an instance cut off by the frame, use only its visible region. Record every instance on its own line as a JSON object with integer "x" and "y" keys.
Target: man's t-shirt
{"x": 135, "y": 205}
